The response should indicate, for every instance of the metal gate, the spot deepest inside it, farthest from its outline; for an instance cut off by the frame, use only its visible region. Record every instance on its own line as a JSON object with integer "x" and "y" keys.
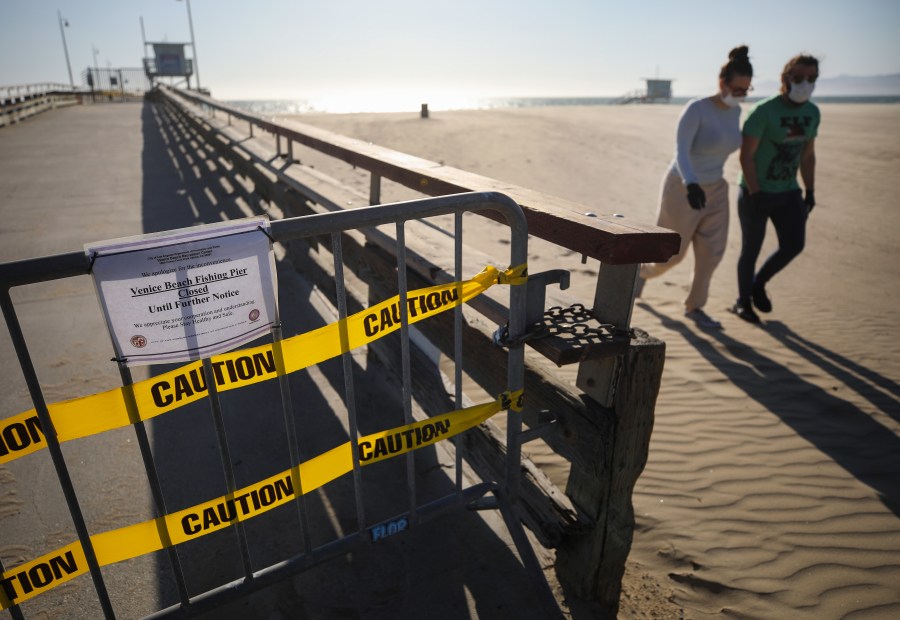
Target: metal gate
{"x": 500, "y": 494}
{"x": 115, "y": 84}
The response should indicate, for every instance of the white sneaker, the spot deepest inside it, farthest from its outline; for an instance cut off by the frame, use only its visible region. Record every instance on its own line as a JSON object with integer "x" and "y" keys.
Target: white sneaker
{"x": 702, "y": 319}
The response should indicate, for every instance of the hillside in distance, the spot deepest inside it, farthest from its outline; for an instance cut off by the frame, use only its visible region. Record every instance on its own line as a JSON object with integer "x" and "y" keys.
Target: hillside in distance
{"x": 844, "y": 86}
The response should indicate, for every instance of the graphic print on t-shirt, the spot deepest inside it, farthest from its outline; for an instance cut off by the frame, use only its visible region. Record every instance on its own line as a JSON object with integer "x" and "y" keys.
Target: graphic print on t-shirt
{"x": 784, "y": 165}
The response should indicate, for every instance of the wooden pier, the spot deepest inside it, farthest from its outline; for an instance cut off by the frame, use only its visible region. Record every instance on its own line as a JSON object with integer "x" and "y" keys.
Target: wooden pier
{"x": 179, "y": 159}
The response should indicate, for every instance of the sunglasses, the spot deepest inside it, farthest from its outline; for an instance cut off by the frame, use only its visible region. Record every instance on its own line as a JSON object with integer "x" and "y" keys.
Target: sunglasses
{"x": 740, "y": 92}
{"x": 799, "y": 79}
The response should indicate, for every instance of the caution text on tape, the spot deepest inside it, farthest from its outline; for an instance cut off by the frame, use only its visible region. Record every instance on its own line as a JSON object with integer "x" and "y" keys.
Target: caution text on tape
{"x": 22, "y": 434}
{"x": 33, "y": 578}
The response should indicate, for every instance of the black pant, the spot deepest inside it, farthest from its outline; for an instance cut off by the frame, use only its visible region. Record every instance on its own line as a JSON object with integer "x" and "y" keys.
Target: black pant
{"x": 788, "y": 213}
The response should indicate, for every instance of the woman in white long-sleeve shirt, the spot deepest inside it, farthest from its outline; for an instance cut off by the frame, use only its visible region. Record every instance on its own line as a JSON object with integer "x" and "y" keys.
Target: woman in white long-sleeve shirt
{"x": 694, "y": 197}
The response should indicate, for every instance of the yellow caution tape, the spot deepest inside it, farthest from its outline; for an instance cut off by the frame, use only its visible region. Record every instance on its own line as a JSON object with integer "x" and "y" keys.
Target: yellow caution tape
{"x": 80, "y": 417}
{"x": 33, "y": 578}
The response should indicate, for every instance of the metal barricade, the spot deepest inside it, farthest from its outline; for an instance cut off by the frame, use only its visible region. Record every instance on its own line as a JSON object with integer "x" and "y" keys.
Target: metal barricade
{"x": 500, "y": 494}
{"x": 115, "y": 84}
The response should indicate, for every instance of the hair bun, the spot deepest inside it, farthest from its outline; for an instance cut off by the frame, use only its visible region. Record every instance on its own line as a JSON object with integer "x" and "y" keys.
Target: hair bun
{"x": 739, "y": 53}
{"x": 738, "y": 64}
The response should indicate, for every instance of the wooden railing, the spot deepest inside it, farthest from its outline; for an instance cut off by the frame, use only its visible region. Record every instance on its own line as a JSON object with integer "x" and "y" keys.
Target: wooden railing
{"x": 25, "y": 91}
{"x": 23, "y": 101}
{"x": 607, "y": 238}
{"x": 601, "y": 426}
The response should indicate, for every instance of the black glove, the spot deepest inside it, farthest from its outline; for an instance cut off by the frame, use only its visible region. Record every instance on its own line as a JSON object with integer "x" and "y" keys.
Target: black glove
{"x": 696, "y": 197}
{"x": 810, "y": 200}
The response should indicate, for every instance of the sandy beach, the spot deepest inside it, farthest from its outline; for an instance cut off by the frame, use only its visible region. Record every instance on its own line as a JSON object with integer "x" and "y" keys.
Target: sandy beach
{"x": 771, "y": 490}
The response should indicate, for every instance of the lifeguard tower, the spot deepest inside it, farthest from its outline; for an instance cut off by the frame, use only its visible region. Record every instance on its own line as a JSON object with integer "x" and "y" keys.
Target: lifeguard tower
{"x": 169, "y": 60}
{"x": 657, "y": 91}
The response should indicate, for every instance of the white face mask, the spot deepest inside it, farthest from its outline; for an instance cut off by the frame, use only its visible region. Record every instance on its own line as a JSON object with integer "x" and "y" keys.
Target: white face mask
{"x": 731, "y": 101}
{"x": 800, "y": 93}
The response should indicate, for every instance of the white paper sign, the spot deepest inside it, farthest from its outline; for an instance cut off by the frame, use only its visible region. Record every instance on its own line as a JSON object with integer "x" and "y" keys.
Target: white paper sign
{"x": 186, "y": 294}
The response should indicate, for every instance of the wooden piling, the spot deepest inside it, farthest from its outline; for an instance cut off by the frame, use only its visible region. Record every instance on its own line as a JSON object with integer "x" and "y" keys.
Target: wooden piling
{"x": 590, "y": 563}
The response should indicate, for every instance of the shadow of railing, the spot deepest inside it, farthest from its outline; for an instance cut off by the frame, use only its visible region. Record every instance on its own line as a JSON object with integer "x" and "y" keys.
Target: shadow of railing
{"x": 852, "y": 438}
{"x": 882, "y": 392}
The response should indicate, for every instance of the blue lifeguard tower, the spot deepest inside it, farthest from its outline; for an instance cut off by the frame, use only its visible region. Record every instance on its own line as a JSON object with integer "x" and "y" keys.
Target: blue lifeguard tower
{"x": 168, "y": 60}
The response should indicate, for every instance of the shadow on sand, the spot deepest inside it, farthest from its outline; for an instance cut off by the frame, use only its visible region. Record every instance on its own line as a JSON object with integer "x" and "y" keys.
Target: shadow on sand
{"x": 883, "y": 393}
{"x": 848, "y": 435}
{"x": 449, "y": 568}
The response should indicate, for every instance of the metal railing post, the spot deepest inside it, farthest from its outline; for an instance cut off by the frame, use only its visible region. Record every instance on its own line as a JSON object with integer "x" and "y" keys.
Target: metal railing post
{"x": 227, "y": 467}
{"x": 153, "y": 478}
{"x": 291, "y": 430}
{"x": 516, "y": 358}
{"x": 349, "y": 391}
{"x": 458, "y": 346}
{"x": 404, "y": 364}
{"x": 14, "y": 610}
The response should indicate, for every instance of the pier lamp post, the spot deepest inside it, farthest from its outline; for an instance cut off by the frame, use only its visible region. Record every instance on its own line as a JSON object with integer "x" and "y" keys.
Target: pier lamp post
{"x": 95, "y": 51}
{"x": 193, "y": 44}
{"x": 63, "y": 24}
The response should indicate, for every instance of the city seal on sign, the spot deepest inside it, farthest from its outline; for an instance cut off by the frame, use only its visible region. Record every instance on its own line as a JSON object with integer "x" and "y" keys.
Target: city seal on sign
{"x": 254, "y": 315}
{"x": 138, "y": 341}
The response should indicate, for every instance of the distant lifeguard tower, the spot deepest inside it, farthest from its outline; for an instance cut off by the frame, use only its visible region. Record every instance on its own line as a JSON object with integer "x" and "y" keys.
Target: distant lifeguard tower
{"x": 657, "y": 91}
{"x": 169, "y": 60}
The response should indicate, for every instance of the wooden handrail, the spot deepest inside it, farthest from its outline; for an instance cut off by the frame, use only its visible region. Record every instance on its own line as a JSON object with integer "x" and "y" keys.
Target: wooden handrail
{"x": 33, "y": 90}
{"x": 608, "y": 238}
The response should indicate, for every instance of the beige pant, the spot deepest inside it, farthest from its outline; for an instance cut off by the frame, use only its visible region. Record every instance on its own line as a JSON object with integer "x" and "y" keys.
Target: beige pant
{"x": 706, "y": 229}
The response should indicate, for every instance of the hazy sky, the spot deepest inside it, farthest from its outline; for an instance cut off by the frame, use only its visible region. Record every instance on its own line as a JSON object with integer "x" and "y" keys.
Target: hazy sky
{"x": 261, "y": 49}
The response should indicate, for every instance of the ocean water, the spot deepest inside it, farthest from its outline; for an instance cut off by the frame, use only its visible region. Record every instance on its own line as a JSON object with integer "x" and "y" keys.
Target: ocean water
{"x": 404, "y": 104}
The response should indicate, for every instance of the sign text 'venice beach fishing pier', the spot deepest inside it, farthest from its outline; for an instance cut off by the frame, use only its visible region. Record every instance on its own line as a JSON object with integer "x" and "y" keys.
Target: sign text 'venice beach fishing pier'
{"x": 188, "y": 294}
